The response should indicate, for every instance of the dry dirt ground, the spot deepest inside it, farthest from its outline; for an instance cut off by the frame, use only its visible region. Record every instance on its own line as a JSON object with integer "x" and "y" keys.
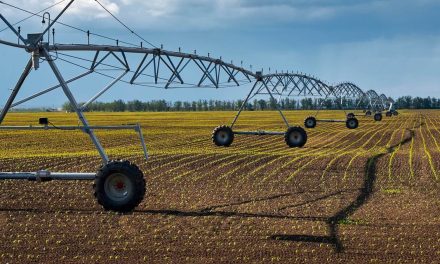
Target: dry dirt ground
{"x": 369, "y": 195}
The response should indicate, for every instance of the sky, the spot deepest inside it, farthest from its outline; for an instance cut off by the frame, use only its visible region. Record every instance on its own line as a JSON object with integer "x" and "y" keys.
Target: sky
{"x": 391, "y": 46}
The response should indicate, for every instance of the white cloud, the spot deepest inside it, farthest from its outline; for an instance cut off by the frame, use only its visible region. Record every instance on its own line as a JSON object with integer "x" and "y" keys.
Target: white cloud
{"x": 87, "y": 9}
{"x": 83, "y": 9}
{"x": 172, "y": 14}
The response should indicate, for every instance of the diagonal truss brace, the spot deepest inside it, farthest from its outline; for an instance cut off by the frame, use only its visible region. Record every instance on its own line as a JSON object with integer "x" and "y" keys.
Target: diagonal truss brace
{"x": 76, "y": 107}
{"x": 255, "y": 91}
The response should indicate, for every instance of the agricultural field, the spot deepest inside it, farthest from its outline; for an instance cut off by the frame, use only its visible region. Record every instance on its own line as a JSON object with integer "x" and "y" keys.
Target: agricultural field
{"x": 366, "y": 195}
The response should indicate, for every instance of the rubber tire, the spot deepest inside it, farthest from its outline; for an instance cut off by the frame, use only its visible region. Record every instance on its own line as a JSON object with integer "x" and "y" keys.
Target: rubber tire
{"x": 395, "y": 113}
{"x": 136, "y": 178}
{"x": 378, "y": 117}
{"x": 310, "y": 122}
{"x": 302, "y": 134}
{"x": 368, "y": 113}
{"x": 350, "y": 115}
{"x": 352, "y": 123}
{"x": 229, "y": 133}
{"x": 389, "y": 114}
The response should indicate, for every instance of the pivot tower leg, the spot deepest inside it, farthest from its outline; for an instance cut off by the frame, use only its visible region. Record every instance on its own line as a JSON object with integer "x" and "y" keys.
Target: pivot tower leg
{"x": 76, "y": 107}
{"x": 17, "y": 87}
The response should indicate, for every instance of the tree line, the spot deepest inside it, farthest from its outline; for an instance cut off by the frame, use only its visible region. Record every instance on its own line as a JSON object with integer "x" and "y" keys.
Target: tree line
{"x": 408, "y": 102}
{"x": 210, "y": 105}
{"x": 405, "y": 102}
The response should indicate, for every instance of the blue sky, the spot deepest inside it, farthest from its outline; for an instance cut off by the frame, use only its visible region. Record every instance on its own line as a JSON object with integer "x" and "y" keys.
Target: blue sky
{"x": 390, "y": 46}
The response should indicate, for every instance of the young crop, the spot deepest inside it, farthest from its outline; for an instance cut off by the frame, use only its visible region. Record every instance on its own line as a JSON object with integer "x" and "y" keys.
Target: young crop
{"x": 205, "y": 204}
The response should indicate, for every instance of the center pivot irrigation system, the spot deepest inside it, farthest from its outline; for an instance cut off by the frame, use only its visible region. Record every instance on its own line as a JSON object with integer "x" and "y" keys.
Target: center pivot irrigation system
{"x": 377, "y": 104}
{"x": 120, "y": 185}
{"x": 344, "y": 94}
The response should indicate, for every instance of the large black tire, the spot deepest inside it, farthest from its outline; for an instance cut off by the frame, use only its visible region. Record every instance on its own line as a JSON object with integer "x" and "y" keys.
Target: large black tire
{"x": 352, "y": 123}
{"x": 310, "y": 122}
{"x": 350, "y": 115}
{"x": 378, "y": 117}
{"x": 368, "y": 113}
{"x": 295, "y": 137}
{"x": 395, "y": 113}
{"x": 389, "y": 114}
{"x": 119, "y": 186}
{"x": 222, "y": 136}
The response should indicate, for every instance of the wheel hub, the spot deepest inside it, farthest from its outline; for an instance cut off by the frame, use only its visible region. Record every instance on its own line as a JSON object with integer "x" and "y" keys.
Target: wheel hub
{"x": 295, "y": 137}
{"x": 222, "y": 136}
{"x": 118, "y": 187}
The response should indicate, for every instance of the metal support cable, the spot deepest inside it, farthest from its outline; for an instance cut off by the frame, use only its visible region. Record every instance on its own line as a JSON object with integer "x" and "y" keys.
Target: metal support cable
{"x": 124, "y": 25}
{"x": 70, "y": 26}
{"x": 31, "y": 16}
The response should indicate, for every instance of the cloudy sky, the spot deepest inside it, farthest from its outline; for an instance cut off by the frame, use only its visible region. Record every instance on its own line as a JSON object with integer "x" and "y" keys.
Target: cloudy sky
{"x": 391, "y": 46}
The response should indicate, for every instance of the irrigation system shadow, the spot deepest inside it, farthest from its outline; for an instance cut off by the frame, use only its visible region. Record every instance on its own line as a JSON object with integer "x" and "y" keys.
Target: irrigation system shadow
{"x": 211, "y": 208}
{"x": 365, "y": 193}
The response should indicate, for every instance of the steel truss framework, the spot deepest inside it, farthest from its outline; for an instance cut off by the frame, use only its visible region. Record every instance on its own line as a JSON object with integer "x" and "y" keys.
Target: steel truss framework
{"x": 292, "y": 85}
{"x": 150, "y": 67}
{"x": 370, "y": 99}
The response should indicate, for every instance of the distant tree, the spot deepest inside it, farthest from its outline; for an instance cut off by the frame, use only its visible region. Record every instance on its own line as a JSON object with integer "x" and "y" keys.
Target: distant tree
{"x": 307, "y": 103}
{"x": 205, "y": 105}
{"x": 404, "y": 102}
{"x": 67, "y": 107}
{"x": 273, "y": 104}
{"x": 177, "y": 106}
{"x": 262, "y": 104}
{"x": 256, "y": 106}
